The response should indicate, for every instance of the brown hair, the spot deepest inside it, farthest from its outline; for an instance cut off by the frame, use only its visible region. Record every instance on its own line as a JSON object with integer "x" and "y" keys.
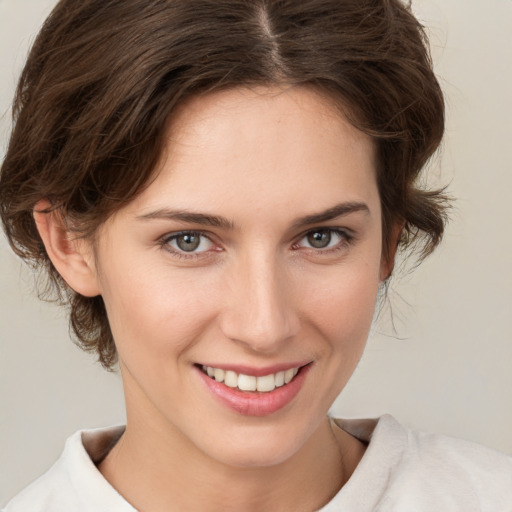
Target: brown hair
{"x": 102, "y": 79}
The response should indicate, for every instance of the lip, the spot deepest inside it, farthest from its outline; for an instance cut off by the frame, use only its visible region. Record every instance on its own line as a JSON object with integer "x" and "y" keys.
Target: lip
{"x": 255, "y": 403}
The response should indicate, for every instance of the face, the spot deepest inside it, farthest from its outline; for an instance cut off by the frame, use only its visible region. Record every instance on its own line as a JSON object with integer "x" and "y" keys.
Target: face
{"x": 254, "y": 256}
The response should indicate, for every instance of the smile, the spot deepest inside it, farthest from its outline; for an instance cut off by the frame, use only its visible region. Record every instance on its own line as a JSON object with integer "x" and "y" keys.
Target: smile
{"x": 254, "y": 395}
{"x": 263, "y": 384}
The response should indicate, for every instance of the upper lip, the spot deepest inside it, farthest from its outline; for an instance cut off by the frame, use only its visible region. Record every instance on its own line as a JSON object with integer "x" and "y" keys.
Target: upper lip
{"x": 257, "y": 371}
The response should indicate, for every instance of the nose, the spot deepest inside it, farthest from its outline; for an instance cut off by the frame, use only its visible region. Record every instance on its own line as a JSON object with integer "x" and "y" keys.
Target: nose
{"x": 259, "y": 309}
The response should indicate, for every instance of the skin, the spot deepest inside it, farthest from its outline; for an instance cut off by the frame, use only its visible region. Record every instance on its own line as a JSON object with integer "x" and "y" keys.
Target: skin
{"x": 255, "y": 293}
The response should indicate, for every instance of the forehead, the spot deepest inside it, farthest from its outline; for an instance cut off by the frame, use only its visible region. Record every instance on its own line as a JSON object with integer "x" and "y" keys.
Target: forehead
{"x": 261, "y": 147}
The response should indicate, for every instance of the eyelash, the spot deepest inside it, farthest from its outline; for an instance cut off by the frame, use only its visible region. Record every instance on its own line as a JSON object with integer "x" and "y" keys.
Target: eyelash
{"x": 165, "y": 241}
{"x": 346, "y": 239}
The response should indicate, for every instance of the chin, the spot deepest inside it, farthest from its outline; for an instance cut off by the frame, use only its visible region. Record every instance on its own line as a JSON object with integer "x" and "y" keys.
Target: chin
{"x": 261, "y": 447}
{"x": 244, "y": 458}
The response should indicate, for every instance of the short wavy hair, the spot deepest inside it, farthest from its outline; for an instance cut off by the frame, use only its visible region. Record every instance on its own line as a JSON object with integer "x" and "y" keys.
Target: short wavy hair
{"x": 103, "y": 78}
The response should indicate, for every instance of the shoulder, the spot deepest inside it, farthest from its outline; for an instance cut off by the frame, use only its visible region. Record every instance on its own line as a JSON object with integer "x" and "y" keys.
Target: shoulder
{"x": 443, "y": 466}
{"x": 444, "y": 454}
{"x": 73, "y": 483}
{"x": 409, "y": 470}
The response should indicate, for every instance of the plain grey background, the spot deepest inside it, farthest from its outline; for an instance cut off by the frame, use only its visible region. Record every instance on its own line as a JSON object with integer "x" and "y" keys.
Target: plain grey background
{"x": 450, "y": 368}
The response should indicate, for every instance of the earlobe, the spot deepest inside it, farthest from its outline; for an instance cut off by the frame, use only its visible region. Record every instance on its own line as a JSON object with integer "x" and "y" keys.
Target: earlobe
{"x": 73, "y": 258}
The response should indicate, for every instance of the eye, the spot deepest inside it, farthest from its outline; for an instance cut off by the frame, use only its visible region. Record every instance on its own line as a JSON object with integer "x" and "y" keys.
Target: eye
{"x": 188, "y": 242}
{"x": 324, "y": 238}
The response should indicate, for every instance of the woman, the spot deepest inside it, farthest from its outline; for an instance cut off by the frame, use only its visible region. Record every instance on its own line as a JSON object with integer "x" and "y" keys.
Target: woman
{"x": 218, "y": 190}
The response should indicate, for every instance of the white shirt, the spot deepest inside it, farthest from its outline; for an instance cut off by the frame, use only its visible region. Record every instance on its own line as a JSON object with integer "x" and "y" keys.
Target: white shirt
{"x": 401, "y": 471}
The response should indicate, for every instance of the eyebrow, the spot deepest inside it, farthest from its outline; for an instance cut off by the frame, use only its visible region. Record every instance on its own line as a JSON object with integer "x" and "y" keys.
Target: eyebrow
{"x": 189, "y": 217}
{"x": 340, "y": 210}
{"x": 204, "y": 219}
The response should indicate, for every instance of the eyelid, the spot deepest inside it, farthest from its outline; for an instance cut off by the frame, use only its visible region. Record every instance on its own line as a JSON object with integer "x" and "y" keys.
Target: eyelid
{"x": 334, "y": 229}
{"x": 174, "y": 234}
{"x": 164, "y": 242}
{"x": 346, "y": 234}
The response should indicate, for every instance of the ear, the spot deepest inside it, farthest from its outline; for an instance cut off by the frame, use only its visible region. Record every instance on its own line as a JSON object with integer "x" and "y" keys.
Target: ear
{"x": 387, "y": 263}
{"x": 73, "y": 259}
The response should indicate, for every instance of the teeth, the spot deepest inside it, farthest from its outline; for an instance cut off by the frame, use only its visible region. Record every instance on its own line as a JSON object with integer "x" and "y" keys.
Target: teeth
{"x": 219, "y": 375}
{"x": 263, "y": 384}
{"x": 288, "y": 375}
{"x": 231, "y": 379}
{"x": 266, "y": 383}
{"x": 246, "y": 382}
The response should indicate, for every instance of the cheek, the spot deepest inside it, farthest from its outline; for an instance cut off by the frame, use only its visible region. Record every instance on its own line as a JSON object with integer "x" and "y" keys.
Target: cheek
{"x": 339, "y": 309}
{"x": 154, "y": 312}
{"x": 341, "y": 306}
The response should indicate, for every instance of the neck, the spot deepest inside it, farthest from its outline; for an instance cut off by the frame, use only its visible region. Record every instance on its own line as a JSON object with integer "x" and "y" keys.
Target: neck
{"x": 156, "y": 469}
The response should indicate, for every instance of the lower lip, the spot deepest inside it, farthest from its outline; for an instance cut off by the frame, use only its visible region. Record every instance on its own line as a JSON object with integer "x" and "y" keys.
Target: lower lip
{"x": 254, "y": 403}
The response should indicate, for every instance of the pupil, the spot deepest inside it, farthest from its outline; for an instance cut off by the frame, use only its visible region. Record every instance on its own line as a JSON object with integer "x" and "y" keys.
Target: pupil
{"x": 189, "y": 242}
{"x": 319, "y": 239}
